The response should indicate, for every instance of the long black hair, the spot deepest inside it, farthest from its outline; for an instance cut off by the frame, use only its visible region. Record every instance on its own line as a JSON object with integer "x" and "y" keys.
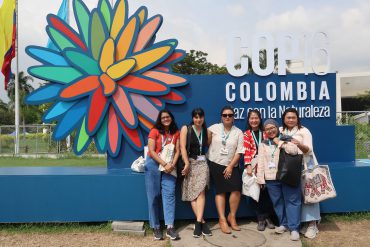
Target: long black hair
{"x": 293, "y": 110}
{"x": 159, "y": 126}
{"x": 200, "y": 112}
{"x": 260, "y": 126}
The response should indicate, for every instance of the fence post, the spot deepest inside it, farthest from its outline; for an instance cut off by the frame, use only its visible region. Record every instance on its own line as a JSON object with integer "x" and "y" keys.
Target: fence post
{"x": 37, "y": 135}
{"x": 1, "y": 144}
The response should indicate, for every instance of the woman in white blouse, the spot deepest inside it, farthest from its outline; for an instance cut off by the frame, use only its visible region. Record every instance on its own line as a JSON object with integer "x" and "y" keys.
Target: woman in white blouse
{"x": 225, "y": 150}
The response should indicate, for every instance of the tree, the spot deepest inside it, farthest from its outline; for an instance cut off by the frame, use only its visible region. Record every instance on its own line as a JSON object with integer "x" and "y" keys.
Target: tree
{"x": 195, "y": 63}
{"x": 6, "y": 115}
{"x": 28, "y": 113}
{"x": 365, "y": 99}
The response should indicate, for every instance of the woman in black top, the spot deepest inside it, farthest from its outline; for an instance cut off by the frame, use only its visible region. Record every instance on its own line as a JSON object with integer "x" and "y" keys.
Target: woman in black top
{"x": 196, "y": 170}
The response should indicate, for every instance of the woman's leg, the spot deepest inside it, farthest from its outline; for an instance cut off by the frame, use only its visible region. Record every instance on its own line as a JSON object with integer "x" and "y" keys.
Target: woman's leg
{"x": 274, "y": 189}
{"x": 234, "y": 202}
{"x": 292, "y": 199}
{"x": 200, "y": 203}
{"x": 220, "y": 205}
{"x": 168, "y": 198}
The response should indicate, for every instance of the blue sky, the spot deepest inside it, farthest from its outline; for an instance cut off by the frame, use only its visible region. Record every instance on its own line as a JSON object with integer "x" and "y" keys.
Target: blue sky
{"x": 206, "y": 25}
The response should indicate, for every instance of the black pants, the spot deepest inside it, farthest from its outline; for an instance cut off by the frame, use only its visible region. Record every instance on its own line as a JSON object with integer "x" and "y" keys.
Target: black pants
{"x": 263, "y": 207}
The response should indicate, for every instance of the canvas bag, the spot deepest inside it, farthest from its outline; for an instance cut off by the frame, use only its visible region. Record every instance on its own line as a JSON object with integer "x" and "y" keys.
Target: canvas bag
{"x": 167, "y": 153}
{"x": 138, "y": 164}
{"x": 250, "y": 186}
{"x": 317, "y": 184}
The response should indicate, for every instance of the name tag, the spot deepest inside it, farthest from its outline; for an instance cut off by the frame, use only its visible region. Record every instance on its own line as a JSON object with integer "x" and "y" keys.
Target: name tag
{"x": 224, "y": 151}
{"x": 272, "y": 165}
{"x": 201, "y": 158}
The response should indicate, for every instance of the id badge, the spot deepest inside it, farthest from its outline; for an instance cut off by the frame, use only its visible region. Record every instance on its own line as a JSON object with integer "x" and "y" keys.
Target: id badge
{"x": 272, "y": 165}
{"x": 224, "y": 151}
{"x": 201, "y": 158}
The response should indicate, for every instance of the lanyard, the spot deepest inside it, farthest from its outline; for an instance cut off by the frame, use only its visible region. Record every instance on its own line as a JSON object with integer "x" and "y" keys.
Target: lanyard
{"x": 258, "y": 142}
{"x": 200, "y": 139}
{"x": 272, "y": 152}
{"x": 164, "y": 141}
{"x": 224, "y": 137}
{"x": 286, "y": 132}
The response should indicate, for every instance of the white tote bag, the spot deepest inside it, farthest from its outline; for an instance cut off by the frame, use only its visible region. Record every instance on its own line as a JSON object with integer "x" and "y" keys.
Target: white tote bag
{"x": 167, "y": 153}
{"x": 250, "y": 186}
{"x": 138, "y": 164}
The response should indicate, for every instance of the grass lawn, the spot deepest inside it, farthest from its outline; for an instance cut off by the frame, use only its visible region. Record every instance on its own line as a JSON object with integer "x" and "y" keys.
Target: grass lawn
{"x": 84, "y": 161}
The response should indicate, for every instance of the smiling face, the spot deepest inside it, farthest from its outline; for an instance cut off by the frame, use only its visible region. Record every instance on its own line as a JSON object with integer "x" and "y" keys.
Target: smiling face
{"x": 254, "y": 121}
{"x": 291, "y": 120}
{"x": 271, "y": 131}
{"x": 198, "y": 120}
{"x": 166, "y": 119}
{"x": 227, "y": 117}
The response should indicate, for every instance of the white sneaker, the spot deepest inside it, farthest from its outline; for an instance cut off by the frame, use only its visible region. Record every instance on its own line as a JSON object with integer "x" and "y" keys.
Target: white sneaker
{"x": 281, "y": 229}
{"x": 303, "y": 229}
{"x": 294, "y": 236}
{"x": 312, "y": 231}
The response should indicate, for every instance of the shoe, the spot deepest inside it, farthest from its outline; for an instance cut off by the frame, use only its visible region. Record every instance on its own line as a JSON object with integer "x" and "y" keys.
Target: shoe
{"x": 303, "y": 229}
{"x": 261, "y": 225}
{"x": 197, "y": 230}
{"x": 294, "y": 236}
{"x": 172, "y": 234}
{"x": 312, "y": 231}
{"x": 270, "y": 224}
{"x": 158, "y": 235}
{"x": 232, "y": 221}
{"x": 224, "y": 226}
{"x": 205, "y": 229}
{"x": 280, "y": 229}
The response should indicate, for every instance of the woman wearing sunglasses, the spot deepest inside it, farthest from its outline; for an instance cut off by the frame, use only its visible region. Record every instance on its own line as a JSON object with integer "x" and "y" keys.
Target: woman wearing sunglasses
{"x": 225, "y": 150}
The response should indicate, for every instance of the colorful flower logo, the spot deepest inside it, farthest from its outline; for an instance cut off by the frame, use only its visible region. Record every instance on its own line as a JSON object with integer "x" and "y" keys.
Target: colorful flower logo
{"x": 107, "y": 80}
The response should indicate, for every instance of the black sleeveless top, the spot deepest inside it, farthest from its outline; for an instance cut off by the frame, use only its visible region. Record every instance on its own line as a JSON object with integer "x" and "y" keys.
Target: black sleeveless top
{"x": 194, "y": 144}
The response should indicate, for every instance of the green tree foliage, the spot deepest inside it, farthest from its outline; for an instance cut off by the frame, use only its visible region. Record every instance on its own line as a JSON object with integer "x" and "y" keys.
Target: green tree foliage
{"x": 6, "y": 115}
{"x": 365, "y": 99}
{"x": 195, "y": 63}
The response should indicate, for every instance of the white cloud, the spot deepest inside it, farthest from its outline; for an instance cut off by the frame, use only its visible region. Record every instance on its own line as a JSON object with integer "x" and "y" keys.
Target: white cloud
{"x": 236, "y": 10}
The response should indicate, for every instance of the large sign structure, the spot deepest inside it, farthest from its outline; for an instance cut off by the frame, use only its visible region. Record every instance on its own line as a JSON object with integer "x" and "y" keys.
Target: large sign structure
{"x": 109, "y": 79}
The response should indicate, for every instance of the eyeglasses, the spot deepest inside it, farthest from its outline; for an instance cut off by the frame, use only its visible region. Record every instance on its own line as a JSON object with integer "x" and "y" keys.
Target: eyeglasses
{"x": 165, "y": 117}
{"x": 227, "y": 115}
{"x": 270, "y": 129}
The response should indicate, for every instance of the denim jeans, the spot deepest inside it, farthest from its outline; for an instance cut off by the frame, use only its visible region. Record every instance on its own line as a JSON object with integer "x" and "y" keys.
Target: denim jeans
{"x": 287, "y": 203}
{"x": 160, "y": 187}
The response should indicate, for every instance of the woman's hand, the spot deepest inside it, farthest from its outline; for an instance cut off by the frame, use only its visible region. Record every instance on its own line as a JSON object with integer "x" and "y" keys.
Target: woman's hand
{"x": 186, "y": 170}
{"x": 295, "y": 141}
{"x": 249, "y": 170}
{"x": 276, "y": 140}
{"x": 228, "y": 172}
{"x": 168, "y": 168}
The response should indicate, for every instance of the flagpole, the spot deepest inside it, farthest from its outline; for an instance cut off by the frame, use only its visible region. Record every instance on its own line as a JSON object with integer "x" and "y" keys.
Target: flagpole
{"x": 16, "y": 83}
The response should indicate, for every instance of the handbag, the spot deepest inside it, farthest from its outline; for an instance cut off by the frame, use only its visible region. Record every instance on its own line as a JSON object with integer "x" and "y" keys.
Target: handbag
{"x": 167, "y": 153}
{"x": 180, "y": 162}
{"x": 289, "y": 168}
{"x": 250, "y": 186}
{"x": 317, "y": 184}
{"x": 138, "y": 164}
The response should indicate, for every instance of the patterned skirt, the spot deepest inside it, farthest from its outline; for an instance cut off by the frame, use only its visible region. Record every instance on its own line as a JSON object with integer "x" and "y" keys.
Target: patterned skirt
{"x": 196, "y": 181}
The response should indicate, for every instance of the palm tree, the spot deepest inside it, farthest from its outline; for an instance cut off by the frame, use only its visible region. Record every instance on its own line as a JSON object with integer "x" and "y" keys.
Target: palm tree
{"x": 24, "y": 89}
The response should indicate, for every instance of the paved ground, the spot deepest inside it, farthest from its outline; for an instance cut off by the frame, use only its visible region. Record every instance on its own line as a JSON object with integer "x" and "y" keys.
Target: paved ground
{"x": 248, "y": 236}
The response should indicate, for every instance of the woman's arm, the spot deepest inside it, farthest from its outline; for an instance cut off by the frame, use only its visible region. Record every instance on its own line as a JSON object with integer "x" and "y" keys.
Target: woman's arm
{"x": 153, "y": 154}
{"x": 209, "y": 140}
{"x": 306, "y": 145}
{"x": 184, "y": 152}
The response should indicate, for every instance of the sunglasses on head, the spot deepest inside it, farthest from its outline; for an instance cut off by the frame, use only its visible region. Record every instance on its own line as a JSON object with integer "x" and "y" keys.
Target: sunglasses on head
{"x": 227, "y": 115}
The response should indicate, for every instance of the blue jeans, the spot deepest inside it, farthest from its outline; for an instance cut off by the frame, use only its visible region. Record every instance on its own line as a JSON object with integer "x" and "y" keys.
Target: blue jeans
{"x": 287, "y": 203}
{"x": 160, "y": 187}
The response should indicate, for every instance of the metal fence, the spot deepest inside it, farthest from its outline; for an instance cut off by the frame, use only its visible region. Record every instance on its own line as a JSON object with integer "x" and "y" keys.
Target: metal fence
{"x": 361, "y": 121}
{"x": 36, "y": 140}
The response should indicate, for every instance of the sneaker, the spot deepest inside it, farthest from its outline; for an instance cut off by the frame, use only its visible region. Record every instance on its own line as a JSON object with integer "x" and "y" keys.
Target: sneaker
{"x": 312, "y": 231}
{"x": 294, "y": 236}
{"x": 261, "y": 225}
{"x": 172, "y": 234}
{"x": 205, "y": 229}
{"x": 158, "y": 235}
{"x": 303, "y": 229}
{"x": 280, "y": 229}
{"x": 197, "y": 230}
{"x": 270, "y": 224}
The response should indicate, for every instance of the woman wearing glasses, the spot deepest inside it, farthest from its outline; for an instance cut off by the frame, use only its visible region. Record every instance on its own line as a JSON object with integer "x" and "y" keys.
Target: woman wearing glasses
{"x": 225, "y": 150}
{"x": 160, "y": 186}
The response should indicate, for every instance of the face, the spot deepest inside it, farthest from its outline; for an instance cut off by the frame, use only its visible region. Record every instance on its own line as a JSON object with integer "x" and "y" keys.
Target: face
{"x": 291, "y": 120}
{"x": 254, "y": 120}
{"x": 227, "y": 116}
{"x": 198, "y": 120}
{"x": 271, "y": 131}
{"x": 166, "y": 119}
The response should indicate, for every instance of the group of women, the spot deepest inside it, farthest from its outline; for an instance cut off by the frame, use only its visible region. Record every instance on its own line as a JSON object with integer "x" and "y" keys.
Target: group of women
{"x": 260, "y": 144}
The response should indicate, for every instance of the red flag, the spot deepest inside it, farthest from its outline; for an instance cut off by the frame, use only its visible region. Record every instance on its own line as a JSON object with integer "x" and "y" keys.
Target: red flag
{"x": 9, "y": 55}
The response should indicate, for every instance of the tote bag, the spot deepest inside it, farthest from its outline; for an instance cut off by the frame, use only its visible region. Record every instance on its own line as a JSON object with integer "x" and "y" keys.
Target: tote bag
{"x": 167, "y": 153}
{"x": 289, "y": 168}
{"x": 317, "y": 184}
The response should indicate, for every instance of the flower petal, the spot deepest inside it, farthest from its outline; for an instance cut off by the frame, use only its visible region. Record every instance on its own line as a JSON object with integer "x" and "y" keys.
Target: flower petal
{"x": 97, "y": 109}
{"x": 82, "y": 16}
{"x": 114, "y": 135}
{"x": 98, "y": 34}
{"x": 82, "y": 139}
{"x": 147, "y": 32}
{"x": 46, "y": 56}
{"x": 167, "y": 78}
{"x": 120, "y": 69}
{"x": 143, "y": 86}
{"x": 105, "y": 10}
{"x": 109, "y": 86}
{"x": 176, "y": 56}
{"x": 59, "y": 39}
{"x": 57, "y": 110}
{"x": 144, "y": 106}
{"x": 44, "y": 94}
{"x": 174, "y": 97}
{"x": 132, "y": 136}
{"x": 62, "y": 75}
{"x": 126, "y": 39}
{"x": 120, "y": 17}
{"x": 145, "y": 123}
{"x": 80, "y": 88}
{"x": 156, "y": 101}
{"x": 82, "y": 61}
{"x": 142, "y": 13}
{"x": 101, "y": 136}
{"x": 107, "y": 55}
{"x": 124, "y": 108}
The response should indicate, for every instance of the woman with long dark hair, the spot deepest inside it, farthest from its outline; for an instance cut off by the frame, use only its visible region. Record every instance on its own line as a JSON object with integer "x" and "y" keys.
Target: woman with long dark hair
{"x": 225, "y": 150}
{"x": 193, "y": 141}
{"x": 160, "y": 185}
{"x": 253, "y": 136}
